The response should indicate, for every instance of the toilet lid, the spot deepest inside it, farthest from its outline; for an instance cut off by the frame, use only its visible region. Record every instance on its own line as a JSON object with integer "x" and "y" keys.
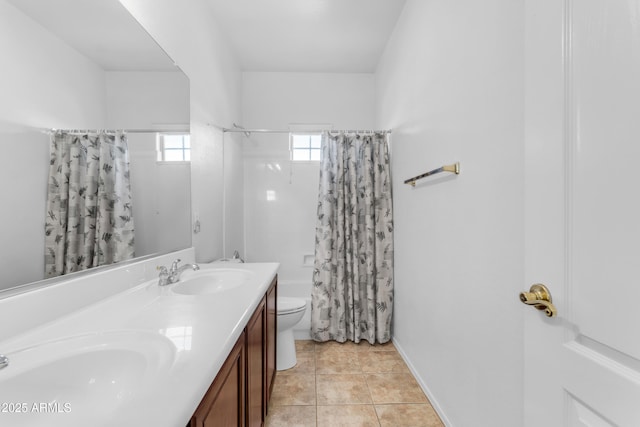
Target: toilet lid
{"x": 288, "y": 305}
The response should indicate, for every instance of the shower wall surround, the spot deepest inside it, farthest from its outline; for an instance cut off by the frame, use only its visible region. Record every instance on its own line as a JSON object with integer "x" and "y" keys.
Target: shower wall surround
{"x": 281, "y": 196}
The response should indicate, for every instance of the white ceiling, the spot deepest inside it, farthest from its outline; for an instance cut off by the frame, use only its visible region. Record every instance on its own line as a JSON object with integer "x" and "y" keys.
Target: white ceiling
{"x": 307, "y": 35}
{"x": 266, "y": 35}
{"x": 102, "y": 30}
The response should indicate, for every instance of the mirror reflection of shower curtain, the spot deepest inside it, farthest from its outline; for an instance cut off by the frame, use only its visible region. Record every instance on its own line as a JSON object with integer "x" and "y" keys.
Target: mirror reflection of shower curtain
{"x": 89, "y": 218}
{"x": 352, "y": 293}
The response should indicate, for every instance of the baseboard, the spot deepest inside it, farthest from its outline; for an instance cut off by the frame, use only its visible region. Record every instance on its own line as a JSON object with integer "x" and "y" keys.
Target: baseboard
{"x": 422, "y": 384}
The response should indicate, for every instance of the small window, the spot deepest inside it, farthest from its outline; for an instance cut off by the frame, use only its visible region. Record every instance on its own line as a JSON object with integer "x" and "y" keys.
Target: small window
{"x": 305, "y": 146}
{"x": 174, "y": 147}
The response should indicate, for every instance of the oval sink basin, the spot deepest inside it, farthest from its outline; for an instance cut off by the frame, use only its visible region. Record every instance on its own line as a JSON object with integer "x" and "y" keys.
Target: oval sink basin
{"x": 210, "y": 281}
{"x": 78, "y": 380}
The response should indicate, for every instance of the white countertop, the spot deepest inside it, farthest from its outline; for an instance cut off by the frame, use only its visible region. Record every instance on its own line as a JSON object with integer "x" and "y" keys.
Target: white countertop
{"x": 185, "y": 337}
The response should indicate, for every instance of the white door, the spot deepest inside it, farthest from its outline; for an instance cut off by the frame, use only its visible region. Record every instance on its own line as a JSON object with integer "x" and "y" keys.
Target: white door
{"x": 582, "y": 165}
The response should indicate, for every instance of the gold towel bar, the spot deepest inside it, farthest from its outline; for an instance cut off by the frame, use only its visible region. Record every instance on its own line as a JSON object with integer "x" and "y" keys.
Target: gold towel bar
{"x": 454, "y": 168}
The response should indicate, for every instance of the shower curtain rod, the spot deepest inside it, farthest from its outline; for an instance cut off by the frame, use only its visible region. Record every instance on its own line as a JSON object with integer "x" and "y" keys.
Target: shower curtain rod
{"x": 83, "y": 131}
{"x": 245, "y": 131}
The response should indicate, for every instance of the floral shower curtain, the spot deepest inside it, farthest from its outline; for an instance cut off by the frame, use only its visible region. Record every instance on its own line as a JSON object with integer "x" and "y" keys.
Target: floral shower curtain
{"x": 89, "y": 219}
{"x": 352, "y": 294}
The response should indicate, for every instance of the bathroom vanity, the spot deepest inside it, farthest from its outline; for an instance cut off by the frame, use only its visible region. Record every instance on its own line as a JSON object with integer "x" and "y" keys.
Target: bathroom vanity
{"x": 115, "y": 348}
{"x": 240, "y": 392}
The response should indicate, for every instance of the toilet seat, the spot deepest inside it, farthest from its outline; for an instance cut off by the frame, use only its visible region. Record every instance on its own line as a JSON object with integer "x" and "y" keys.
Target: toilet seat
{"x": 288, "y": 305}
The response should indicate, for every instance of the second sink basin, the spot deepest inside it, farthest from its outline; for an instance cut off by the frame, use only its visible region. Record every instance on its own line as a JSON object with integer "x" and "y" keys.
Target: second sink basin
{"x": 70, "y": 380}
{"x": 209, "y": 281}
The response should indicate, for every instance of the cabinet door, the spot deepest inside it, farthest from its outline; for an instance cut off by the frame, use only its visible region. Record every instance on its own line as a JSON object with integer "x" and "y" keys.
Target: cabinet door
{"x": 256, "y": 367}
{"x": 271, "y": 319}
{"x": 224, "y": 403}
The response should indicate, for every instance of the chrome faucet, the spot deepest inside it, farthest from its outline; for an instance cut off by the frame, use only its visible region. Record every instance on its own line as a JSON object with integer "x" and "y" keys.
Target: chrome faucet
{"x": 4, "y": 361}
{"x": 236, "y": 255}
{"x": 166, "y": 277}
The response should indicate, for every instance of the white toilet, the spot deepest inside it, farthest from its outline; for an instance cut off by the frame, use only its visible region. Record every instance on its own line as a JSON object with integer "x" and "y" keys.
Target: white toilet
{"x": 290, "y": 312}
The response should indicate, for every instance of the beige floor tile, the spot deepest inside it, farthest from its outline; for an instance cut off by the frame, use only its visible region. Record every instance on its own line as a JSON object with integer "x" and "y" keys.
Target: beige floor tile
{"x": 334, "y": 346}
{"x": 347, "y": 416}
{"x": 305, "y": 345}
{"x": 306, "y": 364}
{"x": 294, "y": 389}
{"x": 291, "y": 416}
{"x": 342, "y": 389}
{"x": 409, "y": 415}
{"x": 381, "y": 362}
{"x": 349, "y": 384}
{"x": 395, "y": 388}
{"x": 337, "y": 362}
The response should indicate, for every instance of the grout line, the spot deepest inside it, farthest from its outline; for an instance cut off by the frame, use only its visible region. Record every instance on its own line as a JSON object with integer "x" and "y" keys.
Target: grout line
{"x": 316, "y": 351}
{"x": 371, "y": 397}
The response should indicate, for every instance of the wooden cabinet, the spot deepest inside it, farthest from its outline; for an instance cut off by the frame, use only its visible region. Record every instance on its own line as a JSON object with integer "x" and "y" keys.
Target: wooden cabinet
{"x": 271, "y": 331}
{"x": 256, "y": 340}
{"x": 224, "y": 403}
{"x": 240, "y": 393}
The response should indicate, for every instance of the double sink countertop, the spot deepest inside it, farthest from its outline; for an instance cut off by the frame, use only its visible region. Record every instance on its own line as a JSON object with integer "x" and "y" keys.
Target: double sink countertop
{"x": 143, "y": 356}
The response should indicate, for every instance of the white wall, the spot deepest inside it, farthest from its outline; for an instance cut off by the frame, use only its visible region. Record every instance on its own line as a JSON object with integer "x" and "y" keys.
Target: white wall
{"x": 147, "y": 100}
{"x": 276, "y": 100}
{"x": 23, "y": 206}
{"x": 450, "y": 84}
{"x": 44, "y": 84}
{"x": 185, "y": 31}
{"x": 283, "y": 229}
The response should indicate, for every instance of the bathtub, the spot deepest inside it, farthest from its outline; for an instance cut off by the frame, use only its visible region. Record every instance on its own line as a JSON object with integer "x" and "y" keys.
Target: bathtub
{"x": 298, "y": 289}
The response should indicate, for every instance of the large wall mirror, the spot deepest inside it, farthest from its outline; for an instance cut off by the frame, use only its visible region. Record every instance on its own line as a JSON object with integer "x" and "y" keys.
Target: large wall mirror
{"x": 85, "y": 64}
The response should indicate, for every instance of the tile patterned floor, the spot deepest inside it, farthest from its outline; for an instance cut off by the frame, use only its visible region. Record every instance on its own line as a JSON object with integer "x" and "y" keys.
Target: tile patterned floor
{"x": 348, "y": 384}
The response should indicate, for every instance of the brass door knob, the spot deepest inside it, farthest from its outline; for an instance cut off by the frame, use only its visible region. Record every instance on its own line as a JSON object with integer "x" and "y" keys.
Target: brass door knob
{"x": 539, "y": 297}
